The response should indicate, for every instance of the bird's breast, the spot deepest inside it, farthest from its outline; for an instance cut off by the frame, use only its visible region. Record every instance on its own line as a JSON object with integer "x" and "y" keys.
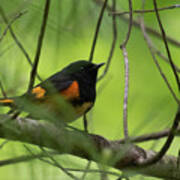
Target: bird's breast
{"x": 83, "y": 108}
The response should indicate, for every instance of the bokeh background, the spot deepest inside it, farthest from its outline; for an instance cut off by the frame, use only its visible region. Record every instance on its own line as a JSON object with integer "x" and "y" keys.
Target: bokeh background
{"x": 68, "y": 38}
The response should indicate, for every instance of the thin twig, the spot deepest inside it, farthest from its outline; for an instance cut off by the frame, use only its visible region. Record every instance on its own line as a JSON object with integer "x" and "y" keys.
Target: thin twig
{"x": 23, "y": 158}
{"x": 97, "y": 31}
{"x": 126, "y": 66}
{"x": 174, "y": 127}
{"x": 149, "y": 43}
{"x": 103, "y": 175}
{"x": 19, "y": 44}
{"x": 3, "y": 143}
{"x": 145, "y": 11}
{"x": 166, "y": 44}
{"x": 10, "y": 23}
{"x": 65, "y": 170}
{"x": 86, "y": 170}
{"x": 114, "y": 27}
{"x": 59, "y": 166}
{"x": 2, "y": 90}
{"x": 52, "y": 162}
{"x": 137, "y": 25}
{"x": 125, "y": 104}
{"x": 166, "y": 145}
{"x": 94, "y": 171}
{"x": 123, "y": 45}
{"x": 163, "y": 57}
{"x": 39, "y": 45}
{"x": 148, "y": 137}
{"x": 83, "y": 170}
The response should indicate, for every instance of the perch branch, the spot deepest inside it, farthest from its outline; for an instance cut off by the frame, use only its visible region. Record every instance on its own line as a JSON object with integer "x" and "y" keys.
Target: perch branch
{"x": 91, "y": 147}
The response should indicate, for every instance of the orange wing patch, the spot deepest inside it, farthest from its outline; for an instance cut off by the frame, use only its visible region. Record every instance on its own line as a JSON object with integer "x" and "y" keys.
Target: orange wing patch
{"x": 72, "y": 91}
{"x": 39, "y": 92}
{"x": 6, "y": 101}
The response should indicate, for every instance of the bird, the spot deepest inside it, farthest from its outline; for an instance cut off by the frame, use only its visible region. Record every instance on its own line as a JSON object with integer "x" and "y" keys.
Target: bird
{"x": 74, "y": 86}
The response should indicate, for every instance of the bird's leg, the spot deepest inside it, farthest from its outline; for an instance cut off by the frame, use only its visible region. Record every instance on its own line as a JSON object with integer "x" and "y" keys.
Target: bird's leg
{"x": 85, "y": 123}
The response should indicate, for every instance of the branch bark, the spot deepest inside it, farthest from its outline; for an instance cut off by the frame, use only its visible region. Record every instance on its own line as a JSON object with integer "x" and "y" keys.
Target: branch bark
{"x": 92, "y": 147}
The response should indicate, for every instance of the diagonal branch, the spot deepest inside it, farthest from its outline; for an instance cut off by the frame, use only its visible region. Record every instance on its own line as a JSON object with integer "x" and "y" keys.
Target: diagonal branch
{"x": 174, "y": 127}
{"x": 57, "y": 164}
{"x": 10, "y": 23}
{"x": 166, "y": 45}
{"x": 146, "y": 11}
{"x": 2, "y": 90}
{"x": 97, "y": 30}
{"x": 16, "y": 40}
{"x": 114, "y": 27}
{"x": 166, "y": 145}
{"x": 149, "y": 137}
{"x": 152, "y": 51}
{"x": 23, "y": 158}
{"x": 39, "y": 45}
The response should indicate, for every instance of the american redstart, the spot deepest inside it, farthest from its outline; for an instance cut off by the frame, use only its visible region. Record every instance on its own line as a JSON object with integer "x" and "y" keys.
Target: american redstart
{"x": 76, "y": 84}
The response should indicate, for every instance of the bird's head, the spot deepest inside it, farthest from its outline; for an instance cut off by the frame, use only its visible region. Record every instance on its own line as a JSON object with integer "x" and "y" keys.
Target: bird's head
{"x": 82, "y": 66}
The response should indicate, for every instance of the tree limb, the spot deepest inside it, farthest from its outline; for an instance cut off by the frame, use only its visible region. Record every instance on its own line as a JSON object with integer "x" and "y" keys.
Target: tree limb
{"x": 92, "y": 147}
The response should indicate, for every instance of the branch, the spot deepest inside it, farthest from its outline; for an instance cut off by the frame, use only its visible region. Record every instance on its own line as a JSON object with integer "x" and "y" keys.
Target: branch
{"x": 2, "y": 90}
{"x": 137, "y": 25}
{"x": 162, "y": 56}
{"x": 23, "y": 158}
{"x": 39, "y": 45}
{"x": 126, "y": 66}
{"x": 91, "y": 147}
{"x": 145, "y": 11}
{"x": 149, "y": 137}
{"x": 86, "y": 170}
{"x": 150, "y": 45}
{"x": 126, "y": 89}
{"x": 97, "y": 30}
{"x": 114, "y": 27}
{"x": 174, "y": 127}
{"x": 10, "y": 23}
{"x": 57, "y": 164}
{"x": 19, "y": 44}
{"x": 166, "y": 45}
{"x": 123, "y": 45}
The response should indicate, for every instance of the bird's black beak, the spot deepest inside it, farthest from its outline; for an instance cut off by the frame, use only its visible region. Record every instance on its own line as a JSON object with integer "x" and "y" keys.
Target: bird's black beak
{"x": 99, "y": 65}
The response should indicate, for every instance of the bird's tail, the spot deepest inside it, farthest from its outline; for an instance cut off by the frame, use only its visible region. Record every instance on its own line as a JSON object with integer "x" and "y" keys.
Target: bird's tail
{"x": 6, "y": 101}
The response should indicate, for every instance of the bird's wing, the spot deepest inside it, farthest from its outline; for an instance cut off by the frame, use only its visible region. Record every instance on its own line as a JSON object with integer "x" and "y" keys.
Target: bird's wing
{"x": 57, "y": 84}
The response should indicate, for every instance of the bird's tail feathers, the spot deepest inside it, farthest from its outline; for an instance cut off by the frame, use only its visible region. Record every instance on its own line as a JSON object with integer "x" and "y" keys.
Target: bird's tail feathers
{"x": 6, "y": 101}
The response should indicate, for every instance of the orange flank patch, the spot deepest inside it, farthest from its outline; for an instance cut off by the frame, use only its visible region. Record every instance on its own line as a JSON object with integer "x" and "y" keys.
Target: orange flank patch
{"x": 39, "y": 92}
{"x": 72, "y": 91}
{"x": 6, "y": 101}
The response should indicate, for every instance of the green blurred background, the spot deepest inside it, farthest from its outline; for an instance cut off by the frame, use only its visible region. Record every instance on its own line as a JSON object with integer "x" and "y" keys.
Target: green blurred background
{"x": 68, "y": 38}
